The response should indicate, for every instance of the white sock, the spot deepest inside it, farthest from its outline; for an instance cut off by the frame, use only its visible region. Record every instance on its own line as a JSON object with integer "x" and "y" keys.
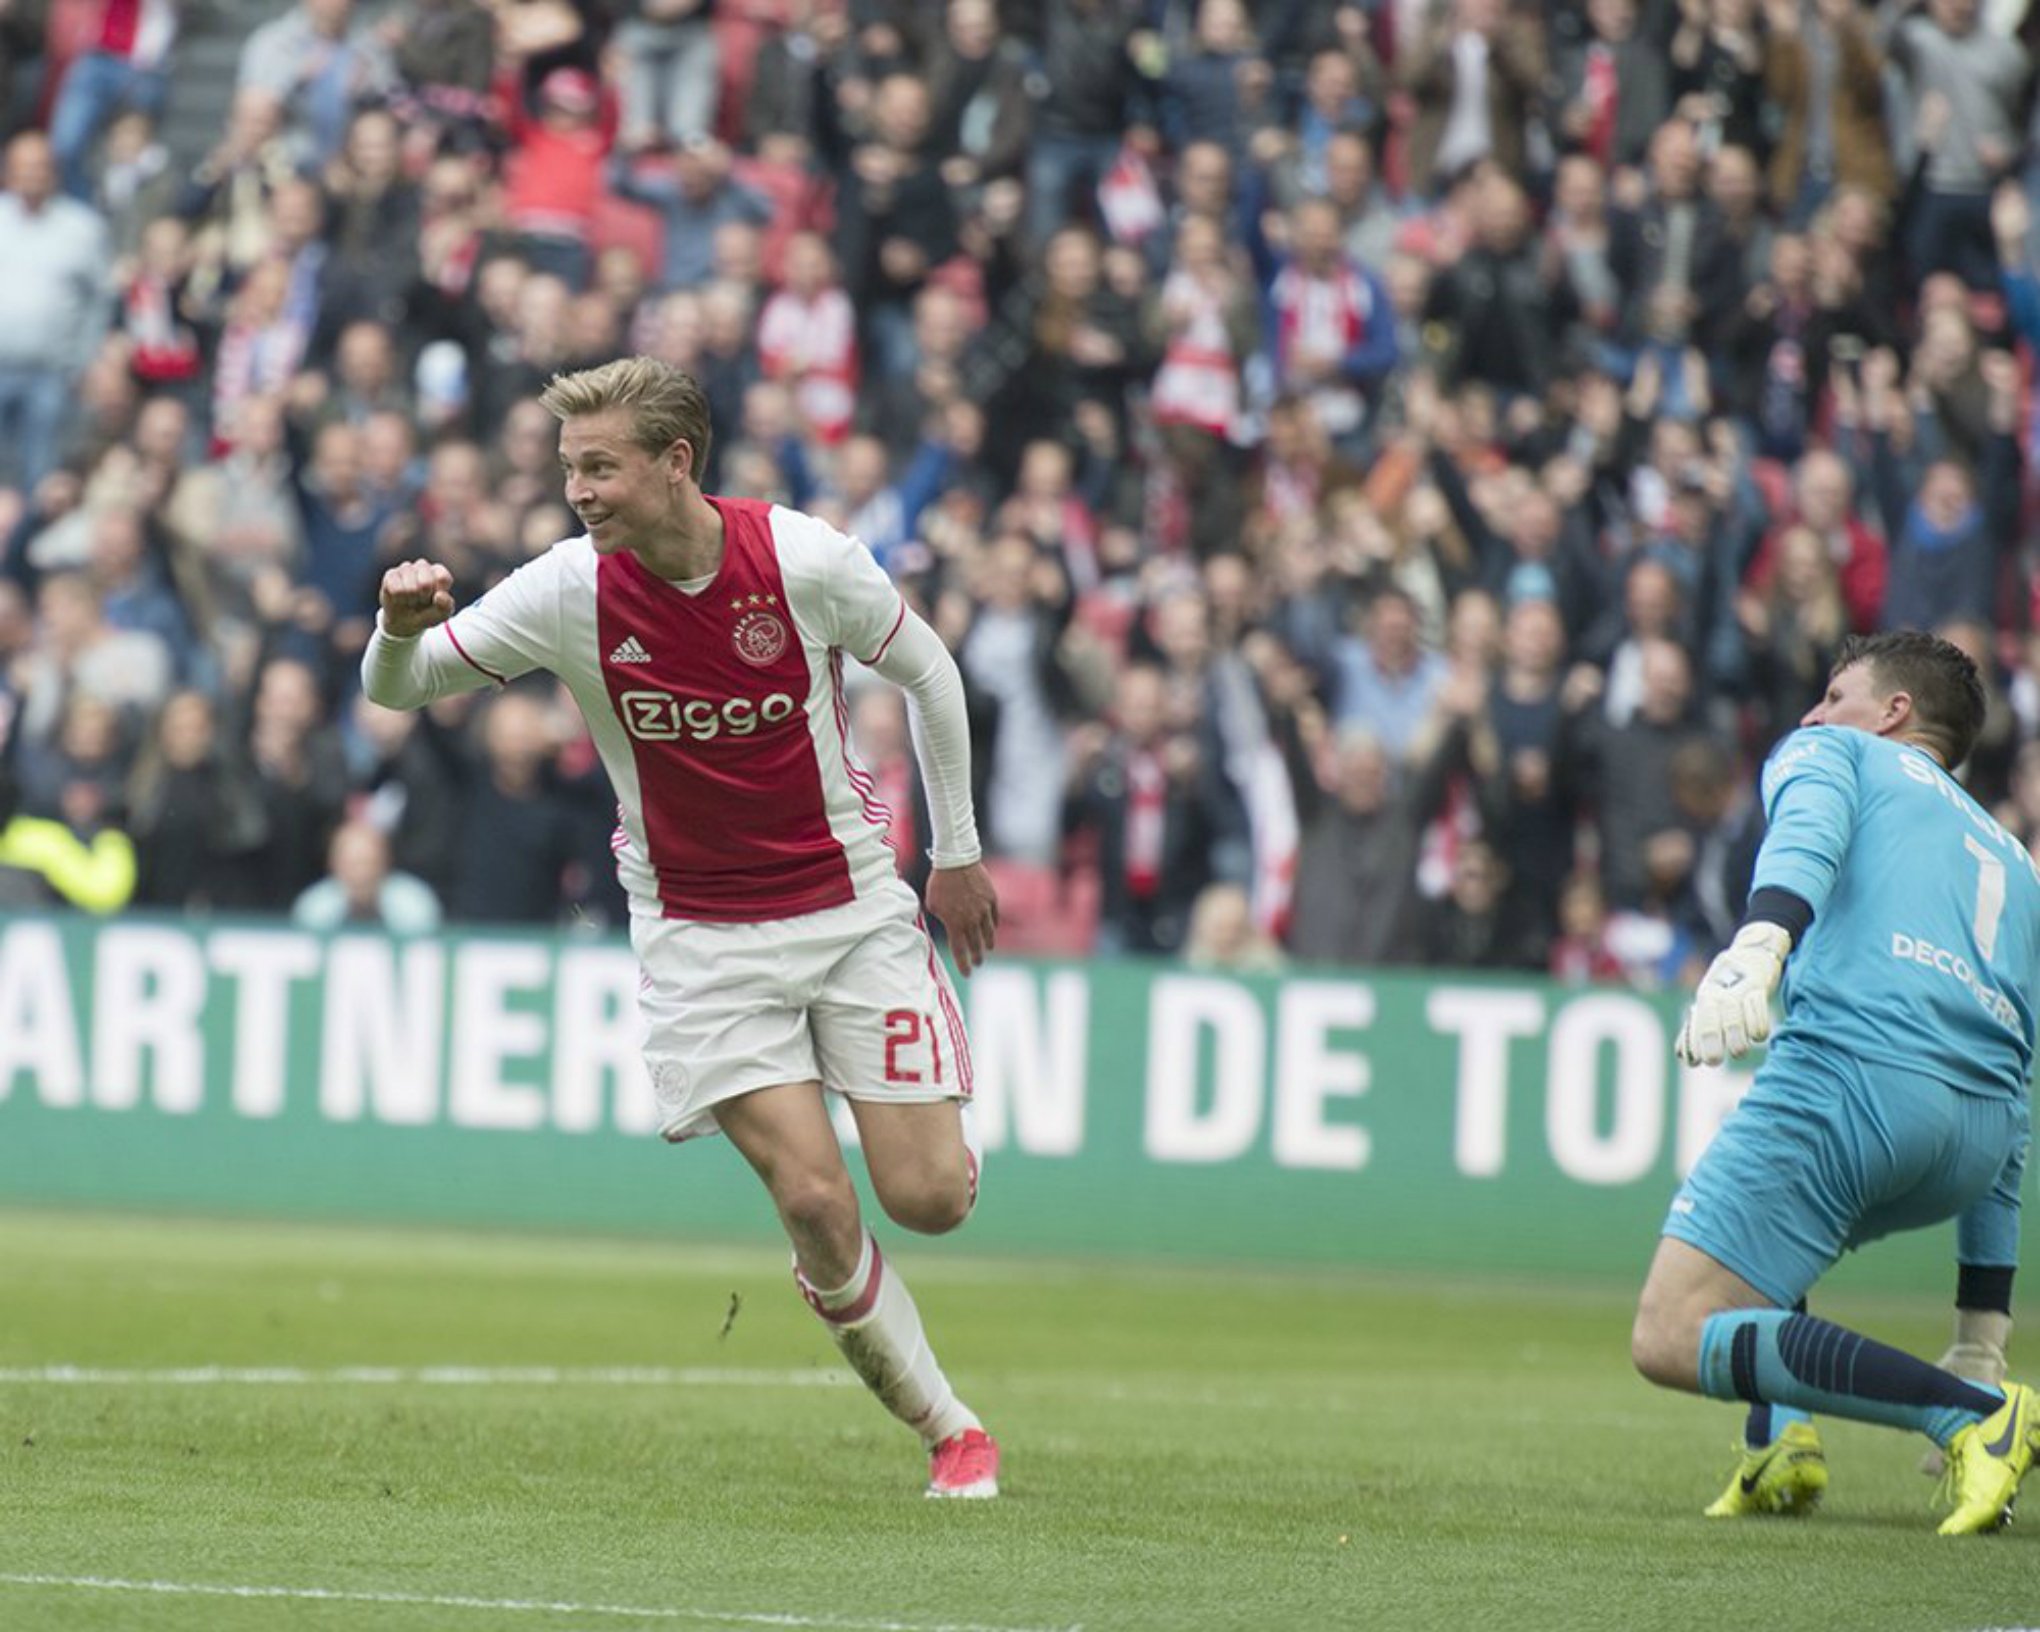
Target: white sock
{"x": 874, "y": 1322}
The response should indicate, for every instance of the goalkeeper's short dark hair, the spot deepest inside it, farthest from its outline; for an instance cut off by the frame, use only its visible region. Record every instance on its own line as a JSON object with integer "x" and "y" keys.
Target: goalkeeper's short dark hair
{"x": 1946, "y": 690}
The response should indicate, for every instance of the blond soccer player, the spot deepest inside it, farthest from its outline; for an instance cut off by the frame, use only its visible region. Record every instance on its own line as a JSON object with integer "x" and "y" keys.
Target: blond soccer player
{"x": 704, "y": 638}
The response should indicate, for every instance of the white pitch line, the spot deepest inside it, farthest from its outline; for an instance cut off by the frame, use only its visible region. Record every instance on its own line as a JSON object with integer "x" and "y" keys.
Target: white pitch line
{"x": 1080, "y": 1386}
{"x": 820, "y": 1623}
{"x": 441, "y": 1376}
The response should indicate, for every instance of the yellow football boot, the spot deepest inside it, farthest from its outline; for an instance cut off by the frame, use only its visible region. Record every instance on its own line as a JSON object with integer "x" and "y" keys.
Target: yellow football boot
{"x": 1786, "y": 1476}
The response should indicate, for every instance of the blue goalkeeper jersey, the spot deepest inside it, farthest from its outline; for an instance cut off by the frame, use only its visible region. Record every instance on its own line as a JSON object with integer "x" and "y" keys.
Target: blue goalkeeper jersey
{"x": 1926, "y": 912}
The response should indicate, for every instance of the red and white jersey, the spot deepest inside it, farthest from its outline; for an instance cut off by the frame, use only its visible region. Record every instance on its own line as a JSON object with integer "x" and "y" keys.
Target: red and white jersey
{"x": 720, "y": 716}
{"x": 813, "y": 342}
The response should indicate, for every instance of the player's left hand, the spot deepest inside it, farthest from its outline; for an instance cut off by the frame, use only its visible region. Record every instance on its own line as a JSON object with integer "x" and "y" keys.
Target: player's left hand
{"x": 1731, "y": 1010}
{"x": 963, "y": 898}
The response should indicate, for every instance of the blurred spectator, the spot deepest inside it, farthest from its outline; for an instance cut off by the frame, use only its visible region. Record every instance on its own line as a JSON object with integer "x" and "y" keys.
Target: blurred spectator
{"x": 1356, "y": 868}
{"x": 1010, "y": 656}
{"x": 1628, "y": 778}
{"x": 53, "y": 305}
{"x": 134, "y": 590}
{"x": 1387, "y": 682}
{"x": 553, "y": 174}
{"x": 1198, "y": 400}
{"x": 1504, "y": 316}
{"x": 313, "y": 60}
{"x": 190, "y": 810}
{"x": 1481, "y": 923}
{"x": 373, "y": 220}
{"x": 444, "y": 56}
{"x": 78, "y": 775}
{"x": 807, "y": 335}
{"x": 1581, "y": 952}
{"x": 362, "y": 890}
{"x": 1089, "y": 87}
{"x": 46, "y": 861}
{"x": 896, "y": 219}
{"x": 80, "y": 654}
{"x": 1969, "y": 83}
{"x": 516, "y": 825}
{"x": 1474, "y": 73}
{"x": 1614, "y": 88}
{"x": 669, "y": 82}
{"x": 24, "y": 46}
{"x": 1725, "y": 818}
{"x": 1793, "y": 627}
{"x": 261, "y": 343}
{"x": 125, "y": 66}
{"x": 694, "y": 193}
{"x": 1944, "y": 522}
{"x": 409, "y": 771}
{"x": 1217, "y": 89}
{"x": 1327, "y": 326}
{"x": 982, "y": 115}
{"x": 2021, "y": 811}
{"x": 300, "y": 782}
{"x": 1824, "y": 70}
{"x": 134, "y": 185}
{"x": 1143, "y": 794}
{"x": 1717, "y": 60}
{"x": 226, "y": 197}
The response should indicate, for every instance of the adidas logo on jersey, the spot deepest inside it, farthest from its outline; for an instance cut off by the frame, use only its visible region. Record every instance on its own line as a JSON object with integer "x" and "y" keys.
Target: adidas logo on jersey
{"x": 630, "y": 652}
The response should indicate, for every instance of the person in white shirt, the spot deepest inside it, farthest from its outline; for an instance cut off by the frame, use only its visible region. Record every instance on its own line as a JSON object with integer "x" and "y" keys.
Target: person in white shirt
{"x": 704, "y": 639}
{"x": 54, "y": 289}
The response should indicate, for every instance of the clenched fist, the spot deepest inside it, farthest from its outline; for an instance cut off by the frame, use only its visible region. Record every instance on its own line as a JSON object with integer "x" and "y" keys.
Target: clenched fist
{"x": 415, "y": 596}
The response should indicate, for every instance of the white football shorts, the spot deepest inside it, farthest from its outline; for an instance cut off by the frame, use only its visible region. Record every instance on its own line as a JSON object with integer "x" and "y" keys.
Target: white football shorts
{"x": 853, "y": 997}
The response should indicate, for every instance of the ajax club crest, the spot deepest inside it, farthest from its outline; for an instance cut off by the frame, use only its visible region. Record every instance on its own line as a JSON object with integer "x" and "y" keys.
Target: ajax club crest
{"x": 760, "y": 633}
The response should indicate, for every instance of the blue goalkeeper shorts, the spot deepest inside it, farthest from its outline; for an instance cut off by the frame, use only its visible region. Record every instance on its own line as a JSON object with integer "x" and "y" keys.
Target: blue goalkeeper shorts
{"x": 1827, "y": 1152}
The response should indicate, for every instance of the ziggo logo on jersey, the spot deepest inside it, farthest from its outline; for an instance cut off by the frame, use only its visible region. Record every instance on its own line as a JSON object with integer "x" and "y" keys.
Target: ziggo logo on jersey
{"x": 654, "y": 716}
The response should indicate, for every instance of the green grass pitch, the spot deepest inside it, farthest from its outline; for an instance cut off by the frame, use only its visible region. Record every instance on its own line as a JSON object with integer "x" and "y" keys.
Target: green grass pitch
{"x": 1186, "y": 1450}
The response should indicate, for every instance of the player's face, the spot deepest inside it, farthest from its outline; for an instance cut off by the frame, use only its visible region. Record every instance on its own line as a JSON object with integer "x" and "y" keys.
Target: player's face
{"x": 1852, "y": 700}
{"x": 622, "y": 493}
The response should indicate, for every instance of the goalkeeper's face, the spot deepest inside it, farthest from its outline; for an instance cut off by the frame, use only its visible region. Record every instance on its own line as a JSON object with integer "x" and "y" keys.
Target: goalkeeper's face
{"x": 1853, "y": 698}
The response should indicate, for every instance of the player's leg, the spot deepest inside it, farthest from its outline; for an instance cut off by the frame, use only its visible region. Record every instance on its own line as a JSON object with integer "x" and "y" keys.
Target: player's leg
{"x": 1757, "y": 1354}
{"x": 1702, "y": 1328}
{"x": 923, "y": 1165}
{"x": 890, "y": 1036}
{"x": 785, "y": 1134}
{"x": 1782, "y": 1468}
{"x": 1715, "y": 1316}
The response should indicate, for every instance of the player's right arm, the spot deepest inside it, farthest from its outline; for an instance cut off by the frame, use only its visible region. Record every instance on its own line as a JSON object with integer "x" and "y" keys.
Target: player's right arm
{"x": 1810, "y": 796}
{"x": 1809, "y": 788}
{"x": 423, "y": 649}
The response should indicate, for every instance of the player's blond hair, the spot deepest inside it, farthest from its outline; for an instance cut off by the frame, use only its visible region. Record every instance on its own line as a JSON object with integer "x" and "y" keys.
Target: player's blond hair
{"x": 666, "y": 404}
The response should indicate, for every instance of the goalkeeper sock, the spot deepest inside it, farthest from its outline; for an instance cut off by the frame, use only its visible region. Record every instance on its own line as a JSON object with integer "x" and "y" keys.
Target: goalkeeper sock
{"x": 1777, "y": 1357}
{"x": 1766, "y": 1422}
{"x": 874, "y": 1322}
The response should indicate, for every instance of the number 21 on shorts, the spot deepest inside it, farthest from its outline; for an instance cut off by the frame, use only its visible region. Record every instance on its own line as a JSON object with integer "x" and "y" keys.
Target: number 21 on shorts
{"x": 905, "y": 1031}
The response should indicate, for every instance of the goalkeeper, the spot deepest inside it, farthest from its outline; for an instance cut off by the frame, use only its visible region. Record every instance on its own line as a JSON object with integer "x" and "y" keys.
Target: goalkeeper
{"x": 1904, "y": 925}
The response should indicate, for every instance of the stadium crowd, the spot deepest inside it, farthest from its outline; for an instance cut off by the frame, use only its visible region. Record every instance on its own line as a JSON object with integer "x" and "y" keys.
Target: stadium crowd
{"x": 1388, "y": 471}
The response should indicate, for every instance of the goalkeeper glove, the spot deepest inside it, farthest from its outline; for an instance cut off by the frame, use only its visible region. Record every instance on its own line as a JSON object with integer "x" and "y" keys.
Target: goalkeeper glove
{"x": 1732, "y": 1007}
{"x": 1977, "y": 1355}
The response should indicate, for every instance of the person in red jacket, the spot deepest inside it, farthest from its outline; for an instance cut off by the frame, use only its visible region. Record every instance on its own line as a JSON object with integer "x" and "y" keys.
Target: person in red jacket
{"x": 554, "y": 173}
